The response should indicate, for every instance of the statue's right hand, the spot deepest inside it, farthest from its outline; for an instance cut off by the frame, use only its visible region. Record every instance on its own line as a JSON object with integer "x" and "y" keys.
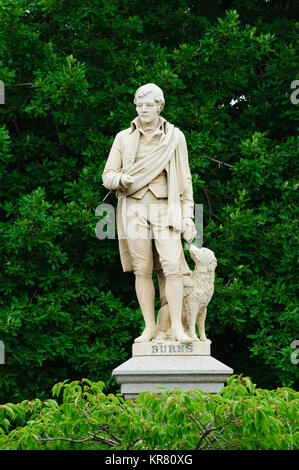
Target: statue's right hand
{"x": 126, "y": 180}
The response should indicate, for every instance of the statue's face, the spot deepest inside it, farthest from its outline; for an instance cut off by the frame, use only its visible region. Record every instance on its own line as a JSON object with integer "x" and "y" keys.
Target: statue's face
{"x": 147, "y": 109}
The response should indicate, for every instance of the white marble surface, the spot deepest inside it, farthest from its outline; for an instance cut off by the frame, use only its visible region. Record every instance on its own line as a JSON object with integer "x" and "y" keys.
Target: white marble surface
{"x": 171, "y": 348}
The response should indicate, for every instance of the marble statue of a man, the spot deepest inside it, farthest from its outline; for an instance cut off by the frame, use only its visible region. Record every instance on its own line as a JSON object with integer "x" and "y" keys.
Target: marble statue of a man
{"x": 148, "y": 169}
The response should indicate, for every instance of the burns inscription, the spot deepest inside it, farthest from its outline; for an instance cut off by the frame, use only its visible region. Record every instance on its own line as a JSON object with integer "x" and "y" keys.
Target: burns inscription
{"x": 171, "y": 348}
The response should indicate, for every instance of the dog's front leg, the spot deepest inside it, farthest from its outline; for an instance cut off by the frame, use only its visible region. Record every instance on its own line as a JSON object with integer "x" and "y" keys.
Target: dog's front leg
{"x": 190, "y": 309}
{"x": 201, "y": 319}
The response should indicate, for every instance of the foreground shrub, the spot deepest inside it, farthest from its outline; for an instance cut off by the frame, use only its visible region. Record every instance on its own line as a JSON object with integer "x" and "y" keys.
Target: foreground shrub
{"x": 70, "y": 70}
{"x": 240, "y": 416}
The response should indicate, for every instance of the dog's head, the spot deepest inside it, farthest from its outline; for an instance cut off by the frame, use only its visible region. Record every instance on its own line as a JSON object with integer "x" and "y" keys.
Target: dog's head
{"x": 203, "y": 257}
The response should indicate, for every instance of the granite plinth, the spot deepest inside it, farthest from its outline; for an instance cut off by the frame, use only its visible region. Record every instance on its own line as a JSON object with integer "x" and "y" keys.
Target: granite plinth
{"x": 157, "y": 372}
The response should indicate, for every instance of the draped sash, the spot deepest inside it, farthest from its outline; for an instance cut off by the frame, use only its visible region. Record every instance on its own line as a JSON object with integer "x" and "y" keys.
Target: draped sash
{"x": 164, "y": 156}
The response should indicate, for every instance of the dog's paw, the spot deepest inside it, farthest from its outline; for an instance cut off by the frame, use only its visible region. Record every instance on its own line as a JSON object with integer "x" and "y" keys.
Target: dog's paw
{"x": 195, "y": 338}
{"x": 204, "y": 339}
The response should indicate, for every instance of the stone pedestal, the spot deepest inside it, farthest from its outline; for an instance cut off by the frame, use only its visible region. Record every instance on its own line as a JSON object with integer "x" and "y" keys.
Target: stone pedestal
{"x": 168, "y": 364}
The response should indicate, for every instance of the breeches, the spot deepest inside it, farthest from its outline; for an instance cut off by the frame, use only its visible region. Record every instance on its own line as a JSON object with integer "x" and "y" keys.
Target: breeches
{"x": 147, "y": 224}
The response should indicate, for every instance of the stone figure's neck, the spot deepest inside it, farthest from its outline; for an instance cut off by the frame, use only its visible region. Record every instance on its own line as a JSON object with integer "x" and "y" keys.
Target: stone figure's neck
{"x": 150, "y": 126}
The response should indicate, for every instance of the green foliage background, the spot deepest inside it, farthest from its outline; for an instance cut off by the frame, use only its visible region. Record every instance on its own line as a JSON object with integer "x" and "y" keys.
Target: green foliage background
{"x": 70, "y": 70}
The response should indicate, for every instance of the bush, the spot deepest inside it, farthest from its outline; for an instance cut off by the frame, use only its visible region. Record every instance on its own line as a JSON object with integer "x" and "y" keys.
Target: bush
{"x": 240, "y": 416}
{"x": 70, "y": 71}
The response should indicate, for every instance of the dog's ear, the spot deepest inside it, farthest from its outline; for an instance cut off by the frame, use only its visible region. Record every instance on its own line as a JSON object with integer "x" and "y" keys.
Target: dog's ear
{"x": 203, "y": 268}
{"x": 212, "y": 266}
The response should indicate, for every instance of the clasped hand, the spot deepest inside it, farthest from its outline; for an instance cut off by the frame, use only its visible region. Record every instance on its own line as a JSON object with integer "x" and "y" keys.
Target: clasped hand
{"x": 126, "y": 180}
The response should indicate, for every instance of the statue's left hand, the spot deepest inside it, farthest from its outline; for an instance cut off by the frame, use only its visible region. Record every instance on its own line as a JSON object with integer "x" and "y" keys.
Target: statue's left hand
{"x": 188, "y": 229}
{"x": 187, "y": 222}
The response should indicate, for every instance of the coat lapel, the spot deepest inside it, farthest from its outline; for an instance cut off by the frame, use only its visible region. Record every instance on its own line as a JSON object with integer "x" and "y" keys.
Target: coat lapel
{"x": 131, "y": 146}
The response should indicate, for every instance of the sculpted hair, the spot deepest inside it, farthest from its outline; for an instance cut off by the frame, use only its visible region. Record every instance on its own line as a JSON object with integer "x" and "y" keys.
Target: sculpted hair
{"x": 150, "y": 88}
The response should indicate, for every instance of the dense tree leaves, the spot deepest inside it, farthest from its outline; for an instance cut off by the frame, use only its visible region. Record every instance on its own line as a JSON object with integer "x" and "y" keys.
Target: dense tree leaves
{"x": 70, "y": 71}
{"x": 240, "y": 416}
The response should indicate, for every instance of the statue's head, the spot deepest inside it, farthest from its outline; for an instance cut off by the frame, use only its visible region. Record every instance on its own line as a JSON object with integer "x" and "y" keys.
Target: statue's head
{"x": 149, "y": 101}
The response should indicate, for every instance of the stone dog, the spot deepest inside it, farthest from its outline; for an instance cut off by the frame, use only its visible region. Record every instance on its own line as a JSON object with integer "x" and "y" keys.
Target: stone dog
{"x": 198, "y": 291}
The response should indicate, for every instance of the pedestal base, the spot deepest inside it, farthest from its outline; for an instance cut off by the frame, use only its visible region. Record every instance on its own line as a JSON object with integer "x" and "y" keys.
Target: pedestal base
{"x": 151, "y": 371}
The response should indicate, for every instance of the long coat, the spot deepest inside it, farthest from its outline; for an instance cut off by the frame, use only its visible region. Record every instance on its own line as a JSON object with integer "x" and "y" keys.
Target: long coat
{"x": 121, "y": 156}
